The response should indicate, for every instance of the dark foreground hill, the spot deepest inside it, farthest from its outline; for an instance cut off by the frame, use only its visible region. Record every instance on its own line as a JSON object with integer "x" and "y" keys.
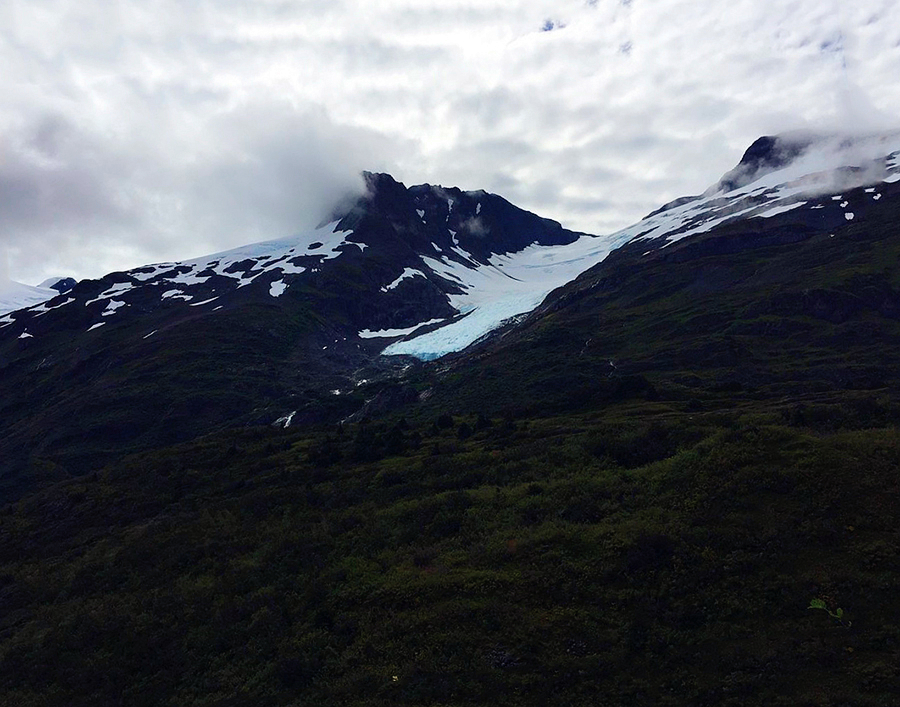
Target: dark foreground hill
{"x": 676, "y": 483}
{"x": 636, "y": 552}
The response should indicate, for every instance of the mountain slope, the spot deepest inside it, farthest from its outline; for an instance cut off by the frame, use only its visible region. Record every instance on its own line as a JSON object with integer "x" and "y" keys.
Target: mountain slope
{"x": 804, "y": 175}
{"x": 282, "y": 329}
{"x": 437, "y": 257}
{"x": 725, "y": 297}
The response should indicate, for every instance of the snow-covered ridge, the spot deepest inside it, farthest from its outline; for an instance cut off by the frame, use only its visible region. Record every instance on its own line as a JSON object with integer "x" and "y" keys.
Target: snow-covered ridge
{"x": 829, "y": 165}
{"x": 433, "y": 256}
{"x": 798, "y": 169}
{"x": 281, "y": 257}
{"x": 289, "y": 256}
{"x": 15, "y": 296}
{"x": 199, "y": 281}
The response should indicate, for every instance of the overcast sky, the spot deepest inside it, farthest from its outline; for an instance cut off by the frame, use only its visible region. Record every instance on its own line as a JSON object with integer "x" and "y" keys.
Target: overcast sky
{"x": 135, "y": 131}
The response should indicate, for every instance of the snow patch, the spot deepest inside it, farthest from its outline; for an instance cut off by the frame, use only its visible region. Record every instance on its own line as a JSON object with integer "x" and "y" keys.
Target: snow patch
{"x": 276, "y": 289}
{"x": 112, "y": 306}
{"x": 288, "y": 268}
{"x": 175, "y": 294}
{"x": 42, "y": 309}
{"x": 390, "y": 333}
{"x": 285, "y": 422}
{"x": 849, "y": 215}
{"x": 114, "y": 291}
{"x": 96, "y": 326}
{"x": 407, "y": 273}
{"x": 781, "y": 209}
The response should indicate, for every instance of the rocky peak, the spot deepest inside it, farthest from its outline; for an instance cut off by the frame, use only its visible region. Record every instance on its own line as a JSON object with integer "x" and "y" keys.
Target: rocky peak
{"x": 766, "y": 154}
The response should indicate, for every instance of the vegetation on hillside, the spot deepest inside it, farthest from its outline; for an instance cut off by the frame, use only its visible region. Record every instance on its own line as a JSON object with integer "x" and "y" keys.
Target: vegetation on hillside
{"x": 643, "y": 554}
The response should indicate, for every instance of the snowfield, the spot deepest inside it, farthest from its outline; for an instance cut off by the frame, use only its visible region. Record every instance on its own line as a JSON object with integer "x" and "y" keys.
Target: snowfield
{"x": 511, "y": 285}
{"x": 15, "y": 295}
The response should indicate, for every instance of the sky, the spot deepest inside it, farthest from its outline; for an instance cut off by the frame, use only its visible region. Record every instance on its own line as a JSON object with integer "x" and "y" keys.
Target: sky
{"x": 139, "y": 131}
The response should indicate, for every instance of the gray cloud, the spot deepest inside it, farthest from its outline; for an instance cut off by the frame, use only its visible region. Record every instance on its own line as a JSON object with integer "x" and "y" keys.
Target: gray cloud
{"x": 53, "y": 173}
{"x": 275, "y": 170}
{"x": 72, "y": 199}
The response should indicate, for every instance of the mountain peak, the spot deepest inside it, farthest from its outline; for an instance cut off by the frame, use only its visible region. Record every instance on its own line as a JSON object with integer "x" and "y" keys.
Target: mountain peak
{"x": 377, "y": 182}
{"x": 767, "y": 154}
{"x": 803, "y": 177}
{"x": 807, "y": 153}
{"x": 60, "y": 284}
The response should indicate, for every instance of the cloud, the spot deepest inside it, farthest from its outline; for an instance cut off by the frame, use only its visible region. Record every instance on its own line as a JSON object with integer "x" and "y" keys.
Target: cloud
{"x": 474, "y": 226}
{"x": 163, "y": 129}
{"x": 73, "y": 199}
{"x": 270, "y": 169}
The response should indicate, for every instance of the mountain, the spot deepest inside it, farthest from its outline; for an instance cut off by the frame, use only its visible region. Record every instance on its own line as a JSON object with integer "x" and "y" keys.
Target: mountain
{"x": 674, "y": 481}
{"x": 783, "y": 282}
{"x": 436, "y": 257}
{"x": 282, "y": 329}
{"x": 292, "y": 329}
{"x": 803, "y": 175}
{"x": 794, "y": 182}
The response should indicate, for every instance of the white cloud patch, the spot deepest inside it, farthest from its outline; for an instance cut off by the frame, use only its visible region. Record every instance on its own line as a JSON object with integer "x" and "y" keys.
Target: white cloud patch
{"x": 162, "y": 129}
